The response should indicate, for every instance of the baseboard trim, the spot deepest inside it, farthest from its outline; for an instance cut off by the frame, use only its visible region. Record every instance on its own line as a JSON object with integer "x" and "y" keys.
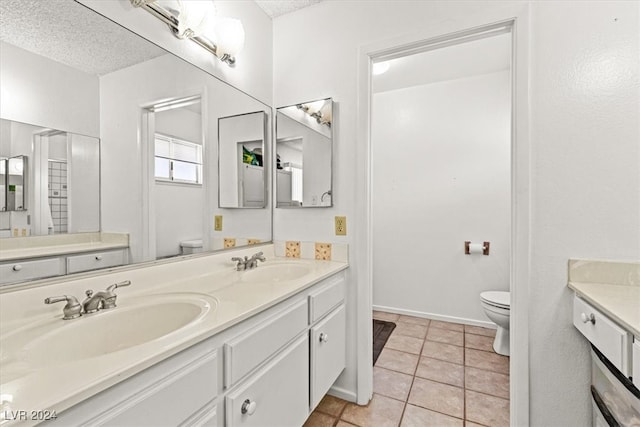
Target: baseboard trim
{"x": 432, "y": 316}
{"x": 343, "y": 394}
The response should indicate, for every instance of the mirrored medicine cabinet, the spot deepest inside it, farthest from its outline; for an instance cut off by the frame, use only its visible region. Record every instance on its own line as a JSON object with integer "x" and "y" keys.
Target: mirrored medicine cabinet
{"x": 304, "y": 155}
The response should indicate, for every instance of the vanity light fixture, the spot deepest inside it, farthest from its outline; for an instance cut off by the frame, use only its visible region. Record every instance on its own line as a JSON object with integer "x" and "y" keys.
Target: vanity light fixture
{"x": 196, "y": 20}
{"x": 319, "y": 110}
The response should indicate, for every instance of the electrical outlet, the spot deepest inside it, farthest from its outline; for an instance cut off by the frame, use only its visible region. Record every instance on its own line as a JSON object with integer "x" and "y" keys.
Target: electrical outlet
{"x": 341, "y": 226}
{"x": 217, "y": 223}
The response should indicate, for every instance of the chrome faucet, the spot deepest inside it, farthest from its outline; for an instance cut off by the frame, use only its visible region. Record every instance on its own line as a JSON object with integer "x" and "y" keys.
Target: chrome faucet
{"x": 94, "y": 302}
{"x": 248, "y": 263}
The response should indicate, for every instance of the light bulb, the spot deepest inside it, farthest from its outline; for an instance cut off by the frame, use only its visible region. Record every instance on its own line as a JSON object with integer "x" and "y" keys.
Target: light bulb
{"x": 195, "y": 16}
{"x": 228, "y": 36}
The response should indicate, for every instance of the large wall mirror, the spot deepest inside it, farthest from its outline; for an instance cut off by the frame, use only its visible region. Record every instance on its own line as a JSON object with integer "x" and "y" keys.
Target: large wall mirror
{"x": 304, "y": 149}
{"x": 146, "y": 119}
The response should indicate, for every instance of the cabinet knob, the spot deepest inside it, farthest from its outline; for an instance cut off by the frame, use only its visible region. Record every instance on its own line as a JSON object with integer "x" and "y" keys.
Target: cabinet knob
{"x": 324, "y": 337}
{"x": 98, "y": 257}
{"x": 248, "y": 407}
{"x": 17, "y": 267}
{"x": 588, "y": 318}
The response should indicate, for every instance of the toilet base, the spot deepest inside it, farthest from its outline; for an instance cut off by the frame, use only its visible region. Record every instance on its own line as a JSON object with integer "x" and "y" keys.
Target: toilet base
{"x": 501, "y": 342}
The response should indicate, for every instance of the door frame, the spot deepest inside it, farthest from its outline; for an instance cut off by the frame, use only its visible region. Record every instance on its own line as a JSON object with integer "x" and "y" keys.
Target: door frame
{"x": 517, "y": 19}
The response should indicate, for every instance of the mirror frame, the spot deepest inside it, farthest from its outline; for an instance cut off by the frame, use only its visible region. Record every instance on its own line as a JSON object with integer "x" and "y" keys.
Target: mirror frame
{"x": 332, "y": 162}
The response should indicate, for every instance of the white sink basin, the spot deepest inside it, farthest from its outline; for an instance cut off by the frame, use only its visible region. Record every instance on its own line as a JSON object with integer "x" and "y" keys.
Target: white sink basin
{"x": 278, "y": 272}
{"x": 133, "y": 322}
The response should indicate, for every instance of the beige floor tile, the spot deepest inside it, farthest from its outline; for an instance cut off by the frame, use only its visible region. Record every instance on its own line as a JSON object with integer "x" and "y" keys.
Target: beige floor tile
{"x": 441, "y": 371}
{"x": 344, "y": 424}
{"x": 381, "y": 412}
{"x": 410, "y": 330}
{"x": 486, "y": 360}
{"x": 469, "y": 424}
{"x": 413, "y": 319}
{"x": 458, "y": 327}
{"x": 487, "y": 410}
{"x": 445, "y": 336}
{"x": 391, "y": 384}
{"x": 402, "y": 343}
{"x": 487, "y": 332}
{"x": 383, "y": 315}
{"x": 331, "y": 405}
{"x": 442, "y": 351}
{"x": 414, "y": 416}
{"x": 487, "y": 382}
{"x": 318, "y": 419}
{"x": 478, "y": 342}
{"x": 398, "y": 361}
{"x": 437, "y": 397}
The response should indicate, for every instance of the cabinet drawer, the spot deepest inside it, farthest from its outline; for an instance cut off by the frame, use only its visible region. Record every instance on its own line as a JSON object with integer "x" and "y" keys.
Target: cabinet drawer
{"x": 612, "y": 341}
{"x": 245, "y": 352}
{"x": 94, "y": 261}
{"x": 27, "y": 270}
{"x": 166, "y": 394}
{"x": 277, "y": 395}
{"x": 328, "y": 353}
{"x": 326, "y": 298}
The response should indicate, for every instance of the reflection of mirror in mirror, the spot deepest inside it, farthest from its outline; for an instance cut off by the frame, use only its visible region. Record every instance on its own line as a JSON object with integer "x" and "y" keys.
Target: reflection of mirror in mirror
{"x": 242, "y": 160}
{"x": 99, "y": 86}
{"x": 304, "y": 155}
{"x": 59, "y": 191}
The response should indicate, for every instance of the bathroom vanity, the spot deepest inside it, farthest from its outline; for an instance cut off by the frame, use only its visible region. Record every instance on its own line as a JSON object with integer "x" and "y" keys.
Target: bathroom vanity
{"x": 191, "y": 342}
{"x": 606, "y": 310}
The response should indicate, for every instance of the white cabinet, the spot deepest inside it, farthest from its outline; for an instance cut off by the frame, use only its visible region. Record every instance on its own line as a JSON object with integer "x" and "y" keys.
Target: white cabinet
{"x": 635, "y": 370}
{"x": 277, "y": 395}
{"x": 22, "y": 270}
{"x": 328, "y": 353}
{"x": 95, "y": 261}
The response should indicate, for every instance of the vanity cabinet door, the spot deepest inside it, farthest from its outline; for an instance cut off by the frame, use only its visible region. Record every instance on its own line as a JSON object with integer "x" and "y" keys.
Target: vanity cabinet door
{"x": 276, "y": 395}
{"x": 328, "y": 353}
{"x": 94, "y": 261}
{"x": 19, "y": 271}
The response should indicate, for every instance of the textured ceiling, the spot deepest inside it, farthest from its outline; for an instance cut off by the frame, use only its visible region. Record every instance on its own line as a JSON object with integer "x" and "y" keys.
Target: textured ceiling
{"x": 275, "y": 8}
{"x": 67, "y": 32}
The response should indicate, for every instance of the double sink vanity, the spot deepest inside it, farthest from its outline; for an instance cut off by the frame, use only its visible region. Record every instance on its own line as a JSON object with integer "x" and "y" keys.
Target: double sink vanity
{"x": 188, "y": 342}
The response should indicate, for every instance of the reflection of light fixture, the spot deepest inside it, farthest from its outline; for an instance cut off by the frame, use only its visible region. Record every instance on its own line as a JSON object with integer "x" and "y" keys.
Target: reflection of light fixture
{"x": 196, "y": 20}
{"x": 319, "y": 110}
{"x": 380, "y": 68}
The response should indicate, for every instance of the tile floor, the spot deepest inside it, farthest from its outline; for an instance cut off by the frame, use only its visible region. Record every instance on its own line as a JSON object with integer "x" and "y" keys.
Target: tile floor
{"x": 430, "y": 373}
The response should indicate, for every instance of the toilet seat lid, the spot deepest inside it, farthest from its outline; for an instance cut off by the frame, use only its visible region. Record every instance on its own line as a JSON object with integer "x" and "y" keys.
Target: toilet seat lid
{"x": 497, "y": 298}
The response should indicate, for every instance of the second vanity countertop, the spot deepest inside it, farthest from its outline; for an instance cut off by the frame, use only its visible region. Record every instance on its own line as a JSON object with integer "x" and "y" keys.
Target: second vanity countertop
{"x": 57, "y": 386}
{"x": 613, "y": 287}
{"x": 19, "y": 248}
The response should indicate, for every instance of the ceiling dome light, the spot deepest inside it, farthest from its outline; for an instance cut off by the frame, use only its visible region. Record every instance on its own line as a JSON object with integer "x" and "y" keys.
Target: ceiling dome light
{"x": 380, "y": 68}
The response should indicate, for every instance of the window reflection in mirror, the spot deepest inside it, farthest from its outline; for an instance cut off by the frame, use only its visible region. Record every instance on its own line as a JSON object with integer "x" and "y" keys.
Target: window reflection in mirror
{"x": 242, "y": 160}
{"x": 303, "y": 163}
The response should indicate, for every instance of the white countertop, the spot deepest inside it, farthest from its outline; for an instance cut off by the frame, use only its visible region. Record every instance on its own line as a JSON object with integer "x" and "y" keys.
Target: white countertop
{"x": 18, "y": 248}
{"x": 61, "y": 386}
{"x": 611, "y": 286}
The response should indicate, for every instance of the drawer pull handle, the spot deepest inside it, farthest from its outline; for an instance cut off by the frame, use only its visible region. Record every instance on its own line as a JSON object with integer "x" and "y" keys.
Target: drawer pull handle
{"x": 590, "y": 318}
{"x": 324, "y": 337}
{"x": 248, "y": 407}
{"x": 98, "y": 257}
{"x": 17, "y": 267}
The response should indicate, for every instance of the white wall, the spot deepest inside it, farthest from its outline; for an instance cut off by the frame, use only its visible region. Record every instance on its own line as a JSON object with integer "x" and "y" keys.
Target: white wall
{"x": 441, "y": 175}
{"x": 585, "y": 189}
{"x": 84, "y": 184}
{"x": 42, "y": 92}
{"x": 253, "y": 71}
{"x": 178, "y": 207}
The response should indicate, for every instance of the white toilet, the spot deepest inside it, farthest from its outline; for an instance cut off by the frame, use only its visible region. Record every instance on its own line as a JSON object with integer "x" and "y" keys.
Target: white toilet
{"x": 188, "y": 247}
{"x": 497, "y": 306}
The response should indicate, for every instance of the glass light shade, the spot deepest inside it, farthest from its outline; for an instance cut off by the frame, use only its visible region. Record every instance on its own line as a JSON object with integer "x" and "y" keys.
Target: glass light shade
{"x": 380, "y": 68}
{"x": 195, "y": 15}
{"x": 228, "y": 36}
